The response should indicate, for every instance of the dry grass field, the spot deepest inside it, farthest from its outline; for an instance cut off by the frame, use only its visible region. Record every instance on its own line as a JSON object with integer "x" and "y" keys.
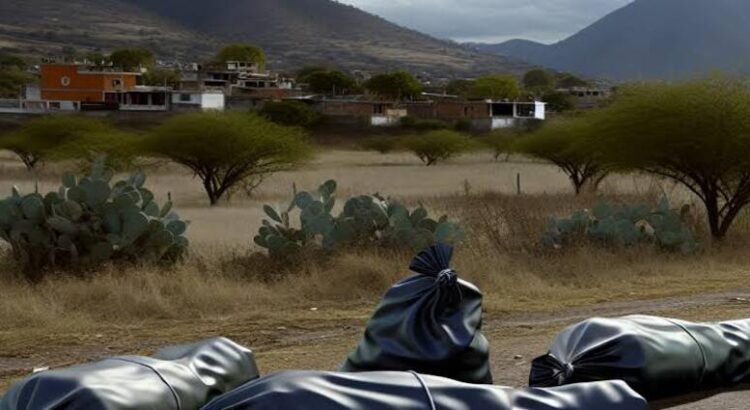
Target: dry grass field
{"x": 311, "y": 315}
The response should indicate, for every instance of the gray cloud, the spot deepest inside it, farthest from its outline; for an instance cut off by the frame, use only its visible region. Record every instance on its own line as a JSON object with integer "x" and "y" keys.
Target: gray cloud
{"x": 547, "y": 21}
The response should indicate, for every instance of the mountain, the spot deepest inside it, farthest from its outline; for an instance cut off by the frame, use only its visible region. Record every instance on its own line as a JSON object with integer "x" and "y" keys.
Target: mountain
{"x": 294, "y": 33}
{"x": 43, "y": 27}
{"x": 650, "y": 39}
{"x": 526, "y": 50}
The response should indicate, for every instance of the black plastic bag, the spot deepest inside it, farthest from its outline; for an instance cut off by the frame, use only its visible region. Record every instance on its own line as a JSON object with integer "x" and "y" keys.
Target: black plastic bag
{"x": 411, "y": 391}
{"x": 429, "y": 323}
{"x": 176, "y": 378}
{"x": 658, "y": 357}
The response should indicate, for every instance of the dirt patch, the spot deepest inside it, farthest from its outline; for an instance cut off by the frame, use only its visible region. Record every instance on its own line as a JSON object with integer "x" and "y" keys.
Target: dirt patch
{"x": 321, "y": 339}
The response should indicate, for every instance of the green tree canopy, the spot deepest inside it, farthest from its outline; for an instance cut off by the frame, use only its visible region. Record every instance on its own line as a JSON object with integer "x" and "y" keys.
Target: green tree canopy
{"x": 131, "y": 59}
{"x": 496, "y": 87}
{"x": 158, "y": 76}
{"x": 12, "y": 82}
{"x": 53, "y": 138}
{"x": 228, "y": 151}
{"x": 399, "y": 85}
{"x": 538, "y": 81}
{"x": 501, "y": 141}
{"x": 303, "y": 72}
{"x": 566, "y": 143}
{"x": 13, "y": 76}
{"x": 242, "y": 52}
{"x": 558, "y": 101}
{"x": 96, "y": 58}
{"x": 695, "y": 133}
{"x": 329, "y": 82}
{"x": 459, "y": 87}
{"x": 292, "y": 113}
{"x": 435, "y": 146}
{"x": 8, "y": 61}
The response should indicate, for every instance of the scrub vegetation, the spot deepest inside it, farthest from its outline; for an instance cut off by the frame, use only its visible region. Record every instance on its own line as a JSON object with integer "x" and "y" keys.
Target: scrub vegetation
{"x": 228, "y": 284}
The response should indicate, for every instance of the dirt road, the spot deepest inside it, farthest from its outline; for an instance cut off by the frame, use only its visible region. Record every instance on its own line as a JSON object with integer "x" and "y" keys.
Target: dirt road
{"x": 320, "y": 339}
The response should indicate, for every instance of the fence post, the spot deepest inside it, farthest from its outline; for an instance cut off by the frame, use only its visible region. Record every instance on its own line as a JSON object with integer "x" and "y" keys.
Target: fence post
{"x": 518, "y": 183}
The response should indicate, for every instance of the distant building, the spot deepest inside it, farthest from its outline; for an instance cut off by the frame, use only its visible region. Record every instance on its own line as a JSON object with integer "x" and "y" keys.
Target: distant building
{"x": 236, "y": 78}
{"x": 73, "y": 87}
{"x": 364, "y": 111}
{"x": 481, "y": 115}
{"x": 198, "y": 100}
{"x": 587, "y": 97}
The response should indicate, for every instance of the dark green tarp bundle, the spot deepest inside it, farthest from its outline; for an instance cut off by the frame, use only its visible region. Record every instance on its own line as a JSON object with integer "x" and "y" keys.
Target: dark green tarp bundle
{"x": 429, "y": 323}
{"x": 176, "y": 378}
{"x": 411, "y": 391}
{"x": 658, "y": 357}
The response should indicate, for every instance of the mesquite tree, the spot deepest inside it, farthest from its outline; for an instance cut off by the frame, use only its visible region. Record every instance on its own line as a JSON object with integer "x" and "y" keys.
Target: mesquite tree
{"x": 228, "y": 151}
{"x": 565, "y": 143}
{"x": 696, "y": 133}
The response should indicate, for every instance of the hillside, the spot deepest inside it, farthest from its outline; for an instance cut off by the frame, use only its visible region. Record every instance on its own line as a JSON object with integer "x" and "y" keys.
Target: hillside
{"x": 42, "y": 27}
{"x": 650, "y": 39}
{"x": 304, "y": 32}
{"x": 294, "y": 33}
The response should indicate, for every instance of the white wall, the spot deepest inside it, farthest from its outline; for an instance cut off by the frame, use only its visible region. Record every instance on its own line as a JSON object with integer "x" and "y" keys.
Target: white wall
{"x": 540, "y": 111}
{"x": 384, "y": 121}
{"x": 213, "y": 101}
{"x": 202, "y": 100}
{"x": 498, "y": 123}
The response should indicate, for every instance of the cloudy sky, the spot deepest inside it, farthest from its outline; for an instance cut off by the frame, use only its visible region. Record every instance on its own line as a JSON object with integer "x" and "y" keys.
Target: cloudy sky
{"x": 547, "y": 21}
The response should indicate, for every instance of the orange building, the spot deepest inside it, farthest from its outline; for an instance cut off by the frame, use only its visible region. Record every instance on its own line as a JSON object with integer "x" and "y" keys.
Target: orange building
{"x": 68, "y": 82}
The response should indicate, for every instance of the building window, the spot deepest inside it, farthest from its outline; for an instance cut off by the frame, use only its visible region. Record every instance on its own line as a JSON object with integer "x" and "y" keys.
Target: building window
{"x": 185, "y": 97}
{"x": 158, "y": 99}
{"x": 502, "y": 110}
{"x": 54, "y": 105}
{"x": 117, "y": 83}
{"x": 526, "y": 110}
{"x": 378, "y": 109}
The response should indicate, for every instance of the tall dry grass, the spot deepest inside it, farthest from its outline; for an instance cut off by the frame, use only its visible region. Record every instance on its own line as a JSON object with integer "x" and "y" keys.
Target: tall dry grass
{"x": 221, "y": 278}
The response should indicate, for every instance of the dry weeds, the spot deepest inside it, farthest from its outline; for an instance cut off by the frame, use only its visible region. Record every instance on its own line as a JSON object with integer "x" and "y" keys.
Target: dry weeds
{"x": 222, "y": 286}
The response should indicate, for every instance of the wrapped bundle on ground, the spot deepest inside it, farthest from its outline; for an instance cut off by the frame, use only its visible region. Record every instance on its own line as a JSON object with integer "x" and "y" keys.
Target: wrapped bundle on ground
{"x": 658, "y": 357}
{"x": 176, "y": 378}
{"x": 429, "y": 323}
{"x": 411, "y": 391}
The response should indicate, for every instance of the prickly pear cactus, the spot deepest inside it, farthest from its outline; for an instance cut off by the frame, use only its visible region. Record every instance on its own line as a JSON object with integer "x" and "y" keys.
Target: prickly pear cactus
{"x": 364, "y": 221}
{"x": 88, "y": 221}
{"x": 623, "y": 225}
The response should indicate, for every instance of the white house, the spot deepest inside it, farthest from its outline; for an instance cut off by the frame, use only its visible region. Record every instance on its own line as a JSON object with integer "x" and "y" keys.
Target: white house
{"x": 198, "y": 100}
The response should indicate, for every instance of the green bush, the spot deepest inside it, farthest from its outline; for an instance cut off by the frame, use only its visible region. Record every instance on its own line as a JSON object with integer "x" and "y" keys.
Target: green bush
{"x": 243, "y": 53}
{"x": 463, "y": 125}
{"x": 624, "y": 225}
{"x": 500, "y": 142}
{"x": 399, "y": 85}
{"x": 367, "y": 220}
{"x": 417, "y": 124}
{"x": 89, "y": 222}
{"x": 291, "y": 113}
{"x": 436, "y": 146}
{"x": 54, "y": 138}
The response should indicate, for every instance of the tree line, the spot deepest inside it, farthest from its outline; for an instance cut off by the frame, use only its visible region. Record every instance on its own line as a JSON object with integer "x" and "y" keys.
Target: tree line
{"x": 694, "y": 133}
